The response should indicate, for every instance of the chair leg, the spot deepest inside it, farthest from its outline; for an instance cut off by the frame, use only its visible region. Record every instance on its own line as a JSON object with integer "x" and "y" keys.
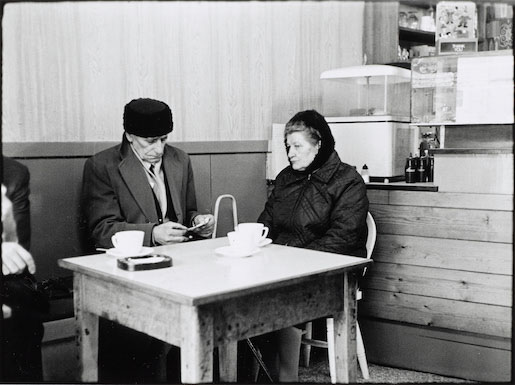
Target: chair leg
{"x": 330, "y": 349}
{"x": 306, "y": 349}
{"x": 362, "y": 359}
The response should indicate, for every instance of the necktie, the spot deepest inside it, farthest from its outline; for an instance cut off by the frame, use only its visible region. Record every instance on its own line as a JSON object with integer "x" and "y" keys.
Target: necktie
{"x": 159, "y": 190}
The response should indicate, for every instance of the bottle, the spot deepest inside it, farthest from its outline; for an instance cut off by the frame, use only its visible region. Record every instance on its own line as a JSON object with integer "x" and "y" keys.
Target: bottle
{"x": 409, "y": 173}
{"x": 430, "y": 170}
{"x": 421, "y": 170}
{"x": 416, "y": 164}
{"x": 424, "y": 144}
{"x": 364, "y": 174}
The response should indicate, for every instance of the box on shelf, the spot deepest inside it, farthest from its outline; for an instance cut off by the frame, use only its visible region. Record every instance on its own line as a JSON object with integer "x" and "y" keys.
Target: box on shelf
{"x": 433, "y": 89}
{"x": 499, "y": 34}
{"x": 456, "y": 47}
{"x": 421, "y": 51}
{"x": 371, "y": 90}
{"x": 456, "y": 27}
{"x": 468, "y": 89}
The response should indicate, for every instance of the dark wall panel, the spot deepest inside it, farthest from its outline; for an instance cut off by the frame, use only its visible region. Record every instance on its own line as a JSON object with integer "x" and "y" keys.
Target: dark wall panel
{"x": 243, "y": 176}
{"x": 201, "y": 172}
{"x": 55, "y": 206}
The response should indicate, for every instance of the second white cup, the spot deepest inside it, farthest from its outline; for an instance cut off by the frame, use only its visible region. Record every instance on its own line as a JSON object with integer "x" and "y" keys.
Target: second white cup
{"x": 256, "y": 231}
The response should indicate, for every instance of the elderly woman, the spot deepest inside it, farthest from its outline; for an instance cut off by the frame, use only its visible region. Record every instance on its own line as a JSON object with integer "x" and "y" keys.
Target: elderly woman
{"x": 318, "y": 203}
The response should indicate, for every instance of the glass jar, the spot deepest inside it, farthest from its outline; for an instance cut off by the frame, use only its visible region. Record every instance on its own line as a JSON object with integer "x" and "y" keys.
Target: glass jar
{"x": 413, "y": 20}
{"x": 403, "y": 19}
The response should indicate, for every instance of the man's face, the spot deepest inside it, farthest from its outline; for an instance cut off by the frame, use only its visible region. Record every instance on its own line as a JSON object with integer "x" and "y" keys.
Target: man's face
{"x": 149, "y": 149}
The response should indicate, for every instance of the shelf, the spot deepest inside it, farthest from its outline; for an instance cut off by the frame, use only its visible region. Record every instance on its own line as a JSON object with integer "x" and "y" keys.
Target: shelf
{"x": 402, "y": 64}
{"x": 416, "y": 36}
{"x": 439, "y": 124}
{"x": 471, "y": 151}
{"x": 419, "y": 186}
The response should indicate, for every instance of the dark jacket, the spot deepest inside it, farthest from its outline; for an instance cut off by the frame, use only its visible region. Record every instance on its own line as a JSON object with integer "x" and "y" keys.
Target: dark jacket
{"x": 324, "y": 210}
{"x": 116, "y": 195}
{"x": 16, "y": 179}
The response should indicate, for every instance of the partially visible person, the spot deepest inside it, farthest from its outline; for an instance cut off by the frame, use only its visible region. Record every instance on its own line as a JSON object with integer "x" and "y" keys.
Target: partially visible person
{"x": 142, "y": 183}
{"x": 22, "y": 305}
{"x": 318, "y": 202}
{"x": 16, "y": 179}
{"x": 145, "y": 184}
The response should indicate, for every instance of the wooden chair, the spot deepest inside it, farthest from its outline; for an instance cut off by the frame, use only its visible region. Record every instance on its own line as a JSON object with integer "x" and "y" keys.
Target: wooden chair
{"x": 307, "y": 340}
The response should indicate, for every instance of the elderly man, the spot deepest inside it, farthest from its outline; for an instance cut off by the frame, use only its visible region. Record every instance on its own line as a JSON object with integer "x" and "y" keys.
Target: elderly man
{"x": 141, "y": 184}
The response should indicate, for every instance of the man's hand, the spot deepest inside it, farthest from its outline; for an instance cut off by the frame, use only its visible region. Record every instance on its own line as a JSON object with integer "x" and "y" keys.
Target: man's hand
{"x": 15, "y": 259}
{"x": 206, "y": 230}
{"x": 169, "y": 232}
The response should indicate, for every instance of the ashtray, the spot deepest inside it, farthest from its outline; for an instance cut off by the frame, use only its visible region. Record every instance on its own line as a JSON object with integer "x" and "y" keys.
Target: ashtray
{"x": 145, "y": 262}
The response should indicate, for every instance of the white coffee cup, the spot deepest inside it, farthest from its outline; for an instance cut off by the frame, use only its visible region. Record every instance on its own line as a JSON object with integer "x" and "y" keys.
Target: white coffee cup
{"x": 128, "y": 242}
{"x": 256, "y": 231}
{"x": 242, "y": 243}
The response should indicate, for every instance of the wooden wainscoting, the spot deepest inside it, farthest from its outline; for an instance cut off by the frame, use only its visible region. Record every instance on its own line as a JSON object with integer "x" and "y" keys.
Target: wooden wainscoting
{"x": 438, "y": 297}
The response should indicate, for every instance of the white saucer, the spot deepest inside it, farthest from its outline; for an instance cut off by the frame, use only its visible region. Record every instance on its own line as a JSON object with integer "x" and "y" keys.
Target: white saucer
{"x": 117, "y": 253}
{"x": 265, "y": 242}
{"x": 228, "y": 251}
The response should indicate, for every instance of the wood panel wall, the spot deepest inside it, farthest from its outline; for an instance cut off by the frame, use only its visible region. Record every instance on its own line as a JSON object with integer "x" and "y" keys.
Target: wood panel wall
{"x": 443, "y": 262}
{"x": 381, "y": 37}
{"x": 227, "y": 69}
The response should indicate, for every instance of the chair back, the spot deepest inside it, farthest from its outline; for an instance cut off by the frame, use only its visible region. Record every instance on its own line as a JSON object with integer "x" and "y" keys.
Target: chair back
{"x": 372, "y": 234}
{"x": 371, "y": 237}
{"x": 217, "y": 208}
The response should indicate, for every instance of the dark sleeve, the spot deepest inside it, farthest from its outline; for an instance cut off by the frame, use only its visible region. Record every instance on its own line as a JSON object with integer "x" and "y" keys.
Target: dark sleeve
{"x": 348, "y": 230}
{"x": 101, "y": 209}
{"x": 19, "y": 193}
{"x": 267, "y": 216}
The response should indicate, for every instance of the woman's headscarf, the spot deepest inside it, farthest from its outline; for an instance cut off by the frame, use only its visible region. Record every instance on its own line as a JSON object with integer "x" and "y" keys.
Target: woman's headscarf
{"x": 311, "y": 118}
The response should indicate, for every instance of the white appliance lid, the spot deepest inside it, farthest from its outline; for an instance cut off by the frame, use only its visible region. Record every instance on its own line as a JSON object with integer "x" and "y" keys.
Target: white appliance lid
{"x": 371, "y": 71}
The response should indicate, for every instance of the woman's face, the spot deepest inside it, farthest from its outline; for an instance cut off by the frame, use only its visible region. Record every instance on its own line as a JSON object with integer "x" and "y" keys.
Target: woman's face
{"x": 300, "y": 150}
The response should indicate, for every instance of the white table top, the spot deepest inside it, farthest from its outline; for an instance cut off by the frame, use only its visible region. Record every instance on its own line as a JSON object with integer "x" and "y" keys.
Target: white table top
{"x": 199, "y": 275}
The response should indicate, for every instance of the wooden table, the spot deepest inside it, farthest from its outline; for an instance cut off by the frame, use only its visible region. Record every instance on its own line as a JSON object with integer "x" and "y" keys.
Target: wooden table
{"x": 205, "y": 301}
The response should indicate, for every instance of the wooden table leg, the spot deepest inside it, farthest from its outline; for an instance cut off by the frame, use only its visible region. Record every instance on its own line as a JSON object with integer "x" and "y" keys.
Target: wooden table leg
{"x": 87, "y": 336}
{"x": 345, "y": 334}
{"x": 228, "y": 357}
{"x": 196, "y": 346}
